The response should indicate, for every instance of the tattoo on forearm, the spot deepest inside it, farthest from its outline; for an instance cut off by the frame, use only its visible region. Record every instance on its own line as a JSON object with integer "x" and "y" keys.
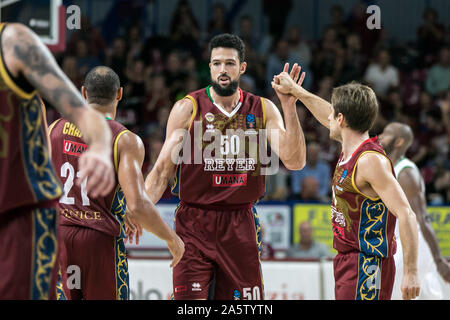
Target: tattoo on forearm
{"x": 44, "y": 74}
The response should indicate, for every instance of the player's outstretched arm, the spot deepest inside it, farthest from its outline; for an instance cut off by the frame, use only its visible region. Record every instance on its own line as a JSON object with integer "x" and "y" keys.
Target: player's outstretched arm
{"x": 131, "y": 157}
{"x": 177, "y": 126}
{"x": 286, "y": 137}
{"x": 24, "y": 53}
{"x": 414, "y": 189}
{"x": 320, "y": 108}
{"x": 375, "y": 170}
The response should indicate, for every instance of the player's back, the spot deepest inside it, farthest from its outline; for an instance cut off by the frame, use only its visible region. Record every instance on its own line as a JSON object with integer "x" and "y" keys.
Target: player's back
{"x": 104, "y": 214}
{"x": 360, "y": 223}
{"x": 26, "y": 173}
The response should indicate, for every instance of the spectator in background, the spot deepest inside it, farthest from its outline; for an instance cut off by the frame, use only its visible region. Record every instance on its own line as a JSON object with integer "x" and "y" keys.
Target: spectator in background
{"x": 315, "y": 168}
{"x": 267, "y": 251}
{"x": 353, "y": 62}
{"x": 116, "y": 57}
{"x": 381, "y": 75}
{"x": 300, "y": 51}
{"x": 277, "y": 187}
{"x": 85, "y": 60}
{"x": 184, "y": 29}
{"x": 157, "y": 96}
{"x": 307, "y": 247}
{"x": 70, "y": 68}
{"x": 174, "y": 74}
{"x": 277, "y": 11}
{"x": 247, "y": 33}
{"x": 337, "y": 16}
{"x": 219, "y": 22}
{"x": 298, "y": 47}
{"x": 276, "y": 61}
{"x": 357, "y": 22}
{"x": 327, "y": 55}
{"x": 430, "y": 36}
{"x": 438, "y": 79}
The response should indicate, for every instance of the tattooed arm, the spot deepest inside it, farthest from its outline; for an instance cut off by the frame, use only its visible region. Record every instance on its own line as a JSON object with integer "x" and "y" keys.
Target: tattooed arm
{"x": 25, "y": 54}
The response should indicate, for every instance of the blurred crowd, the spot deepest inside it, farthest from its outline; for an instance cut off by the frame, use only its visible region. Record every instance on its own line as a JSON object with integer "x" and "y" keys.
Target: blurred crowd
{"x": 411, "y": 80}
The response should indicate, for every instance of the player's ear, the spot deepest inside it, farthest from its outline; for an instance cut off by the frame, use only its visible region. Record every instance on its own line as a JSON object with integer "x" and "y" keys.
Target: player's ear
{"x": 119, "y": 94}
{"x": 243, "y": 67}
{"x": 83, "y": 92}
{"x": 399, "y": 142}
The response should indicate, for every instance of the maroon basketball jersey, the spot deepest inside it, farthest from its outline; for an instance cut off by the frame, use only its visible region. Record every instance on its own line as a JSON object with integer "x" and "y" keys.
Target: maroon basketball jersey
{"x": 26, "y": 173}
{"x": 220, "y": 163}
{"x": 360, "y": 223}
{"x": 104, "y": 214}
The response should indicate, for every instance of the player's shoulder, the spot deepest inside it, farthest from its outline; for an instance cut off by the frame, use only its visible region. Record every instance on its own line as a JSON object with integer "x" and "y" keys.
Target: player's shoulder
{"x": 373, "y": 157}
{"x": 129, "y": 140}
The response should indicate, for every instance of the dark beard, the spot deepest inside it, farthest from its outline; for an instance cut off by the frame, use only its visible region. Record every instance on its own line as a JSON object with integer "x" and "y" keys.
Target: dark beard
{"x": 227, "y": 91}
{"x": 388, "y": 148}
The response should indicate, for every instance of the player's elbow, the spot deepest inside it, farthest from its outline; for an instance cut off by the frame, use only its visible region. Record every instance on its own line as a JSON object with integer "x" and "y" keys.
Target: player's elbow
{"x": 134, "y": 208}
{"x": 296, "y": 163}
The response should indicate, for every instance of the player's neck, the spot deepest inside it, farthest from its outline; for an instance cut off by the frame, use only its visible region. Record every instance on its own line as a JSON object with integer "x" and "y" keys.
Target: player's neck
{"x": 227, "y": 103}
{"x": 396, "y": 156}
{"x": 107, "y": 111}
{"x": 351, "y": 140}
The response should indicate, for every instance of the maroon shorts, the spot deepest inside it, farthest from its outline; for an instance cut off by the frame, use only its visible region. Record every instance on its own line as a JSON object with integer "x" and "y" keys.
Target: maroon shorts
{"x": 93, "y": 265}
{"x": 28, "y": 252}
{"x": 220, "y": 245}
{"x": 362, "y": 277}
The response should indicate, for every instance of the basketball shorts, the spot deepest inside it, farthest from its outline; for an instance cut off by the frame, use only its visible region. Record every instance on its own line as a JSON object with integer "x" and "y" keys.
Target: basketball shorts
{"x": 93, "y": 265}
{"x": 362, "y": 277}
{"x": 28, "y": 252}
{"x": 222, "y": 249}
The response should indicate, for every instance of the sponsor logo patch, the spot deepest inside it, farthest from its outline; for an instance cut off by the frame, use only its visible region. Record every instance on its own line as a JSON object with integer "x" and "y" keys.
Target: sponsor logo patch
{"x": 229, "y": 180}
{"x": 251, "y": 121}
{"x": 74, "y": 148}
{"x": 196, "y": 286}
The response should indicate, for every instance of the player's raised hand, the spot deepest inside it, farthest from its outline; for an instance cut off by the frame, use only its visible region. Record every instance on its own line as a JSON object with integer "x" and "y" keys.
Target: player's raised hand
{"x": 176, "y": 247}
{"x": 410, "y": 286}
{"x": 96, "y": 165}
{"x": 285, "y": 82}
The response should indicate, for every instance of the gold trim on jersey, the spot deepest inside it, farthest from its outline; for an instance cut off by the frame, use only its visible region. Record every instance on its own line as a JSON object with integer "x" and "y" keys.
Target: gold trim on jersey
{"x": 194, "y": 110}
{"x": 263, "y": 106}
{"x": 50, "y": 127}
{"x": 116, "y": 142}
{"x": 177, "y": 180}
{"x": 10, "y": 82}
{"x": 354, "y": 170}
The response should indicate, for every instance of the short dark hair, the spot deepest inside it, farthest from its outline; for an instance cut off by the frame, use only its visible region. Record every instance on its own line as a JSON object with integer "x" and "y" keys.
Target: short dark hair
{"x": 101, "y": 85}
{"x": 357, "y": 103}
{"x": 227, "y": 40}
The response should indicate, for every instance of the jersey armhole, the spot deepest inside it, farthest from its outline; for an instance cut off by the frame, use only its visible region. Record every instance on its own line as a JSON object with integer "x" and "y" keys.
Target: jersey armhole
{"x": 263, "y": 107}
{"x": 354, "y": 172}
{"x": 194, "y": 111}
{"x": 50, "y": 127}
{"x": 116, "y": 149}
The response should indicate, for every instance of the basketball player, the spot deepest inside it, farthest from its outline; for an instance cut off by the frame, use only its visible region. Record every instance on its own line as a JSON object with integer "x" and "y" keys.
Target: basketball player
{"x": 91, "y": 231}
{"x": 367, "y": 198}
{"x": 29, "y": 187}
{"x": 396, "y": 139}
{"x": 216, "y": 218}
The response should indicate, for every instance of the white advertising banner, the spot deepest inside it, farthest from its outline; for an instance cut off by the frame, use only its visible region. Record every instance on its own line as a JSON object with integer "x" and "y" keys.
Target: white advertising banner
{"x": 152, "y": 280}
{"x": 275, "y": 219}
